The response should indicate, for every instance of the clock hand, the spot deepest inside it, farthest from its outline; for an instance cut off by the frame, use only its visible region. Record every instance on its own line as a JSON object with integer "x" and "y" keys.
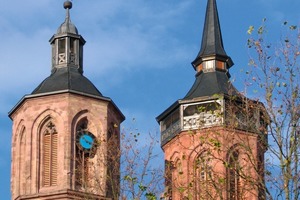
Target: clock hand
{"x": 87, "y": 141}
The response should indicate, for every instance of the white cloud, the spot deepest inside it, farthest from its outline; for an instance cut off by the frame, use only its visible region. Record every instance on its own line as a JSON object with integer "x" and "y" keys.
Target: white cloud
{"x": 141, "y": 39}
{"x": 133, "y": 35}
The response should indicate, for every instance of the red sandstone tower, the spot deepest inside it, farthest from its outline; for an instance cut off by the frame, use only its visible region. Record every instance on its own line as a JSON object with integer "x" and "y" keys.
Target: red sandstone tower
{"x": 61, "y": 131}
{"x": 214, "y": 138}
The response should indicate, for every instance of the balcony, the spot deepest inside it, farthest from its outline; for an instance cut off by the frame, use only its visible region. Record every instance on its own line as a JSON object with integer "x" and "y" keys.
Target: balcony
{"x": 170, "y": 132}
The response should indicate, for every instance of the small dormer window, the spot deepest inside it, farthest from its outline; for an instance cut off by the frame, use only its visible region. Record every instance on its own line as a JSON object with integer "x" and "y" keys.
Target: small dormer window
{"x": 208, "y": 66}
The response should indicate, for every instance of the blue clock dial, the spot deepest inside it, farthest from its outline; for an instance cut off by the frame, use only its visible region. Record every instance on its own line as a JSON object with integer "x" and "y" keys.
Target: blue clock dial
{"x": 86, "y": 141}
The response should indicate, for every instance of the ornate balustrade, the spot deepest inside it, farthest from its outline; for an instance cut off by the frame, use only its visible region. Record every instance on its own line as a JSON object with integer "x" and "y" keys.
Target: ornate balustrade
{"x": 201, "y": 120}
{"x": 170, "y": 132}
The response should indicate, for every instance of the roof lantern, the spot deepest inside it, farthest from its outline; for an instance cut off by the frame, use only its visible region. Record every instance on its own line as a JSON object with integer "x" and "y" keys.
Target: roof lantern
{"x": 67, "y": 61}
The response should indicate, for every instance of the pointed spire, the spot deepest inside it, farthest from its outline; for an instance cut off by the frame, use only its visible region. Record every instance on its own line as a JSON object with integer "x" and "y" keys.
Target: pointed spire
{"x": 212, "y": 43}
{"x": 67, "y": 26}
{"x": 212, "y": 62}
{"x": 68, "y": 6}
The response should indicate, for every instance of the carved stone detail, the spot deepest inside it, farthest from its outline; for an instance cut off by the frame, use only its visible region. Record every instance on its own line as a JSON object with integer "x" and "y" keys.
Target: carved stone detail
{"x": 61, "y": 58}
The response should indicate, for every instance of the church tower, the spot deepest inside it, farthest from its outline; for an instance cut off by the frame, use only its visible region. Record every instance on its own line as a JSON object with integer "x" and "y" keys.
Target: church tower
{"x": 214, "y": 138}
{"x": 65, "y": 135}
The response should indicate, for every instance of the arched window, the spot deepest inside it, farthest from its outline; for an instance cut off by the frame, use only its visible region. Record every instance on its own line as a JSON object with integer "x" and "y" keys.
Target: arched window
{"x": 22, "y": 161}
{"x": 86, "y": 145}
{"x": 49, "y": 148}
{"x": 203, "y": 176}
{"x": 169, "y": 167}
{"x": 233, "y": 176}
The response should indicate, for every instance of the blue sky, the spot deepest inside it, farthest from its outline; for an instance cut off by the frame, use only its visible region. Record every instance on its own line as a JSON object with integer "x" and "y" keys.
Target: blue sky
{"x": 138, "y": 52}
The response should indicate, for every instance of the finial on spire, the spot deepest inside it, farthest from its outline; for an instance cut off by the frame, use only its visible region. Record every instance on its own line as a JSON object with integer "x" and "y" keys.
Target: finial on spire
{"x": 67, "y": 4}
{"x": 67, "y": 26}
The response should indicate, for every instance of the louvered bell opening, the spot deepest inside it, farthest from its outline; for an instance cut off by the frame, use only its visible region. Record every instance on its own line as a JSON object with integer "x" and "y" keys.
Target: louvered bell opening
{"x": 47, "y": 160}
{"x": 50, "y": 163}
{"x": 54, "y": 163}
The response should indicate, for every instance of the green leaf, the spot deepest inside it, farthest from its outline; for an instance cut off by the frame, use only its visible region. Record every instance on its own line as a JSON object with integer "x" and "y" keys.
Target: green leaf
{"x": 142, "y": 187}
{"x": 260, "y": 30}
{"x": 222, "y": 180}
{"x": 250, "y": 30}
{"x": 181, "y": 189}
{"x": 127, "y": 178}
{"x": 150, "y": 196}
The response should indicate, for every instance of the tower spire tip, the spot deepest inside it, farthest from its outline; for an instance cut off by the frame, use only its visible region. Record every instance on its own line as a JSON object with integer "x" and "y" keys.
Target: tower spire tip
{"x": 67, "y": 4}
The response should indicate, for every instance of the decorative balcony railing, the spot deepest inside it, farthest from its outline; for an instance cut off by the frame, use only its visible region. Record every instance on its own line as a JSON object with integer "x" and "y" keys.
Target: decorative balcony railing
{"x": 170, "y": 132}
{"x": 203, "y": 119}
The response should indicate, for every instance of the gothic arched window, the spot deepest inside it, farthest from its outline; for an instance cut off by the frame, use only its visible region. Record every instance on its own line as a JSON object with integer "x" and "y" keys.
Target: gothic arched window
{"x": 86, "y": 145}
{"x": 203, "y": 176}
{"x": 169, "y": 167}
{"x": 233, "y": 176}
{"x": 49, "y": 154}
{"x": 22, "y": 161}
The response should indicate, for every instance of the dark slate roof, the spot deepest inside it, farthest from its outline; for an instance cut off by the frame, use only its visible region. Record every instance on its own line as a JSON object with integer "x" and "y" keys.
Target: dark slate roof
{"x": 212, "y": 43}
{"x": 209, "y": 84}
{"x": 216, "y": 82}
{"x": 67, "y": 78}
{"x": 205, "y": 87}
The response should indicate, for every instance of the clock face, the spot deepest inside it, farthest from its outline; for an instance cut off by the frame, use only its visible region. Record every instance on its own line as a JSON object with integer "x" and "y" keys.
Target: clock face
{"x": 86, "y": 141}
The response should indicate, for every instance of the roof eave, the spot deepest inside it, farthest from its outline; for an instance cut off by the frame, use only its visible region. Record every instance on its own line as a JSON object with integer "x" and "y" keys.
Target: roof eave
{"x": 56, "y": 36}
{"x": 170, "y": 109}
{"x": 10, "y": 113}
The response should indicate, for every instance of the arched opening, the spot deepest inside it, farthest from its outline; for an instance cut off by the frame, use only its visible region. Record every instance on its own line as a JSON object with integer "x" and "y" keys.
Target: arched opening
{"x": 48, "y": 154}
{"x": 62, "y": 51}
{"x": 233, "y": 176}
{"x": 203, "y": 176}
{"x": 22, "y": 161}
{"x": 86, "y": 144}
